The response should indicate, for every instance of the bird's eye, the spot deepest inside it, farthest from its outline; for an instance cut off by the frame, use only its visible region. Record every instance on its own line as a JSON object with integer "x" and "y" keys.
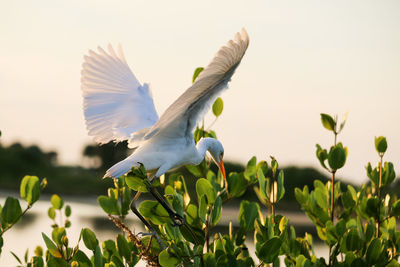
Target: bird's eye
{"x": 222, "y": 154}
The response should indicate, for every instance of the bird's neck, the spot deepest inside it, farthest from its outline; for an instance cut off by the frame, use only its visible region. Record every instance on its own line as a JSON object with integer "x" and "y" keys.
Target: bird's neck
{"x": 202, "y": 146}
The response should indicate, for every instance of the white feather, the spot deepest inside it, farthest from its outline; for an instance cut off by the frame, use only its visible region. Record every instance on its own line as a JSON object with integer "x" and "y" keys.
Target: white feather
{"x": 115, "y": 103}
{"x": 181, "y": 117}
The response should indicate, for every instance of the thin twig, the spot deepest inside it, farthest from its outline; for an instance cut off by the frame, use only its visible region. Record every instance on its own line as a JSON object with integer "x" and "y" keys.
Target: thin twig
{"x": 378, "y": 221}
{"x": 143, "y": 254}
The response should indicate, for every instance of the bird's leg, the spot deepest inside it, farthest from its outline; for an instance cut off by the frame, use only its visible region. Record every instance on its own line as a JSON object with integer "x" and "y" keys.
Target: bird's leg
{"x": 177, "y": 219}
{"x": 152, "y": 231}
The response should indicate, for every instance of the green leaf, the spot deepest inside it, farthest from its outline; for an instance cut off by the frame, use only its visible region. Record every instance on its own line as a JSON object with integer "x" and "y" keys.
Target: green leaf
{"x": 248, "y": 213}
{"x": 216, "y": 212}
{"x": 196, "y": 73}
{"x": 217, "y": 107}
{"x": 30, "y": 189}
{"x": 98, "y": 259}
{"x": 177, "y": 203}
{"x": 123, "y": 247}
{"x": 191, "y": 212}
{"x": 38, "y": 261}
{"x": 57, "y": 201}
{"x": 57, "y": 262}
{"x": 263, "y": 166}
{"x": 302, "y": 261}
{"x": 203, "y": 208}
{"x": 321, "y": 198}
{"x": 16, "y": 257}
{"x": 209, "y": 260}
{"x": 331, "y": 236}
{"x": 67, "y": 210}
{"x": 388, "y": 174}
{"x": 167, "y": 260}
{"x": 109, "y": 205}
{"x": 283, "y": 224}
{"x": 269, "y": 251}
{"x": 57, "y": 235}
{"x": 372, "y": 174}
{"x": 301, "y": 196}
{"x": 109, "y": 246}
{"x": 340, "y": 227}
{"x": 396, "y": 208}
{"x": 51, "y": 212}
{"x": 195, "y": 170}
{"x": 393, "y": 263}
{"x": 136, "y": 183}
{"x": 380, "y": 144}
{"x": 26, "y": 255}
{"x": 251, "y": 169}
{"x": 237, "y": 184}
{"x": 11, "y": 212}
{"x": 374, "y": 251}
{"x": 337, "y": 157}
{"x": 204, "y": 187}
{"x": 116, "y": 261}
{"x": 89, "y": 238}
{"x": 53, "y": 250}
{"x": 38, "y": 251}
{"x": 372, "y": 207}
{"x": 347, "y": 200}
{"x": 328, "y": 122}
{"x": 82, "y": 259}
{"x": 262, "y": 184}
{"x": 274, "y": 166}
{"x": 154, "y": 211}
{"x": 353, "y": 240}
{"x": 343, "y": 122}
{"x": 322, "y": 156}
{"x": 369, "y": 232}
{"x": 281, "y": 186}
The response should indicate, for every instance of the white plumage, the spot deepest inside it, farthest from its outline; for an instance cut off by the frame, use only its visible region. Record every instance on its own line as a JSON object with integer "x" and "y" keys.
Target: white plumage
{"x": 117, "y": 107}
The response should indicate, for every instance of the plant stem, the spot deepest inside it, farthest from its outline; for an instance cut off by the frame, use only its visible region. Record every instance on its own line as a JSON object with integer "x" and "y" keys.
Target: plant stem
{"x": 333, "y": 197}
{"x": 208, "y": 230}
{"x": 273, "y": 202}
{"x": 378, "y": 221}
{"x": 332, "y": 207}
{"x": 273, "y": 212}
{"x": 333, "y": 194}
{"x": 330, "y": 259}
{"x": 335, "y": 137}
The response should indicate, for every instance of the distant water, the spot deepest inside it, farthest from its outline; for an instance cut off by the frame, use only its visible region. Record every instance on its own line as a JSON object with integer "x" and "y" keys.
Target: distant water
{"x": 85, "y": 213}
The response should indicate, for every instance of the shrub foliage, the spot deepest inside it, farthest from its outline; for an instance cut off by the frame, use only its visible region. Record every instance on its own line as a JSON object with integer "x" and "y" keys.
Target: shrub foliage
{"x": 357, "y": 225}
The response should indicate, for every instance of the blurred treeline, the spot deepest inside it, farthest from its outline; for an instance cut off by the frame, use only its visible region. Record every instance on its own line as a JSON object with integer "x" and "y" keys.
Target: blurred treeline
{"x": 17, "y": 160}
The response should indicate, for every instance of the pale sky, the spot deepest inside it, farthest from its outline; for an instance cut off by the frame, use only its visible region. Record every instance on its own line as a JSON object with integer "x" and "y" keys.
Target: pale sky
{"x": 304, "y": 58}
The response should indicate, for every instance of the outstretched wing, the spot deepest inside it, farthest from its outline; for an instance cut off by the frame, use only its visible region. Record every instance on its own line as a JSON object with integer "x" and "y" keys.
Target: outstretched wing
{"x": 182, "y": 116}
{"x": 115, "y": 104}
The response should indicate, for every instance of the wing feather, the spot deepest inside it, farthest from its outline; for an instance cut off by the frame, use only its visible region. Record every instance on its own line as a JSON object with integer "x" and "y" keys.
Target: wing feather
{"x": 115, "y": 104}
{"x": 181, "y": 117}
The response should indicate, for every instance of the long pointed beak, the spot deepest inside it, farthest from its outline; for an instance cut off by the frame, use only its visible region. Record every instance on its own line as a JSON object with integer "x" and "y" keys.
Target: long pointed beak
{"x": 222, "y": 168}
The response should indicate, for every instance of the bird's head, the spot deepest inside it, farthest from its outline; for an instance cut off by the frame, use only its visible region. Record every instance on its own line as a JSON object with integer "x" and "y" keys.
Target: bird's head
{"x": 217, "y": 153}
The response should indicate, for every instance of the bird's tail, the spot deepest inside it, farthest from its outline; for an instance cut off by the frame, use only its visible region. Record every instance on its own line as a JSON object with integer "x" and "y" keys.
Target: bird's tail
{"x": 120, "y": 168}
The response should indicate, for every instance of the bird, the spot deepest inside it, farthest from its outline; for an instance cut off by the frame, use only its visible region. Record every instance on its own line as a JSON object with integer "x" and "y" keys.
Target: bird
{"x": 118, "y": 107}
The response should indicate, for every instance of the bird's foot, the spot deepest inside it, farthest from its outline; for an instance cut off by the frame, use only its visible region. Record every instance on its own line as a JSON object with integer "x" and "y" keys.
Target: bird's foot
{"x": 153, "y": 233}
{"x": 141, "y": 234}
{"x": 177, "y": 220}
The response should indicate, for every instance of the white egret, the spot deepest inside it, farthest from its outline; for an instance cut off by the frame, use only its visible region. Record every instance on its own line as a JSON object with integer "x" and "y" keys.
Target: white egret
{"x": 117, "y": 107}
